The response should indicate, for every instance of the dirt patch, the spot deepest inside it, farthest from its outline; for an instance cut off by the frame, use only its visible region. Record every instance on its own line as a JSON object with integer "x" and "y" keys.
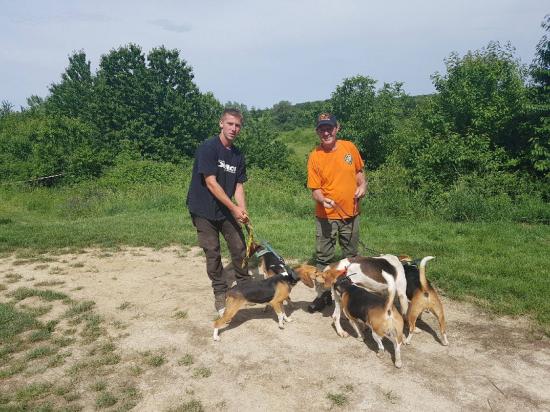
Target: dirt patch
{"x": 163, "y": 300}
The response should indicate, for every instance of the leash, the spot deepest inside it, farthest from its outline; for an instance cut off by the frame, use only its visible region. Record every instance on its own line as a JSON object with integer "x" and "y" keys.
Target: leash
{"x": 249, "y": 242}
{"x": 355, "y": 207}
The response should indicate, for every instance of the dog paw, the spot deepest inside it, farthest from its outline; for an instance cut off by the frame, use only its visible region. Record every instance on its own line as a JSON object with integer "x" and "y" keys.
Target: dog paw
{"x": 343, "y": 334}
{"x": 216, "y": 338}
{"x": 281, "y": 326}
{"x": 289, "y": 319}
{"x": 380, "y": 353}
{"x": 417, "y": 330}
{"x": 444, "y": 341}
{"x": 398, "y": 364}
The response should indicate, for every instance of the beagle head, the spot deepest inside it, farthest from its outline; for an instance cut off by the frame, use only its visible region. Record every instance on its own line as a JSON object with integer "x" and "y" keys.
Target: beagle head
{"x": 405, "y": 258}
{"x": 330, "y": 276}
{"x": 307, "y": 274}
{"x": 253, "y": 247}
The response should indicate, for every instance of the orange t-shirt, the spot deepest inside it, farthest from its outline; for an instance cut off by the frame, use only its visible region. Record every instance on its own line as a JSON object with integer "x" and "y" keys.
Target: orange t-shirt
{"x": 335, "y": 174}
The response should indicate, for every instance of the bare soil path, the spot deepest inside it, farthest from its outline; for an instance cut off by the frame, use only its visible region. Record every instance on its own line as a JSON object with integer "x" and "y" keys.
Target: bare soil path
{"x": 164, "y": 299}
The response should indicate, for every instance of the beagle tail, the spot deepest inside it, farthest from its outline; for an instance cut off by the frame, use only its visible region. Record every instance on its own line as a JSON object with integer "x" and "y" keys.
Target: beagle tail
{"x": 422, "y": 273}
{"x": 391, "y": 293}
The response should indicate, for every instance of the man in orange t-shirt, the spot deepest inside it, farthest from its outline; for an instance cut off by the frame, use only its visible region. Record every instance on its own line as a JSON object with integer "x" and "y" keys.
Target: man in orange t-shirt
{"x": 337, "y": 181}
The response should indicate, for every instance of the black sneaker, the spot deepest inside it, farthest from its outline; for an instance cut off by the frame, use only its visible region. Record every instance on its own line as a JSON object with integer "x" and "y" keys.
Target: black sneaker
{"x": 320, "y": 302}
{"x": 317, "y": 305}
{"x": 328, "y": 298}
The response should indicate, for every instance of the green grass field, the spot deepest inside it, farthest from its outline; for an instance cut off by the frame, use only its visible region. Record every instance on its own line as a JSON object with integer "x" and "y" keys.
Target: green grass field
{"x": 302, "y": 141}
{"x": 499, "y": 265}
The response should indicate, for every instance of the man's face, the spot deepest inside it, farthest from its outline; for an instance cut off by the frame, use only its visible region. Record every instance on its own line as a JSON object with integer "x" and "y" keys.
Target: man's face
{"x": 327, "y": 134}
{"x": 230, "y": 127}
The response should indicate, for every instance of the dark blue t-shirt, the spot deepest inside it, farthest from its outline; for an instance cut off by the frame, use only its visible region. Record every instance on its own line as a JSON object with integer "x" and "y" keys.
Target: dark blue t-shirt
{"x": 227, "y": 164}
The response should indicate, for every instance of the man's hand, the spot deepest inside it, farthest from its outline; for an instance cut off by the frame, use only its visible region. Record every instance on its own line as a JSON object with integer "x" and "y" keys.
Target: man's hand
{"x": 360, "y": 191}
{"x": 362, "y": 184}
{"x": 328, "y": 203}
{"x": 240, "y": 214}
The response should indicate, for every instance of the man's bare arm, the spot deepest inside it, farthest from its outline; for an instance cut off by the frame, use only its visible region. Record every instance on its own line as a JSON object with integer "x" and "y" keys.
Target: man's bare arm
{"x": 237, "y": 211}
{"x": 318, "y": 196}
{"x": 241, "y": 199}
{"x": 361, "y": 184}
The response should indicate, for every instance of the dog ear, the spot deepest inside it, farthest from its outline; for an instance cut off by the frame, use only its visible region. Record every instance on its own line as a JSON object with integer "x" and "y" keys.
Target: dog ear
{"x": 404, "y": 258}
{"x": 306, "y": 273}
{"x": 329, "y": 277}
{"x": 306, "y": 279}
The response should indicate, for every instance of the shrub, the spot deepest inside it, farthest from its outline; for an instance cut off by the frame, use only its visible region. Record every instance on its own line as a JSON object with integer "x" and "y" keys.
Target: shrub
{"x": 131, "y": 172}
{"x": 258, "y": 141}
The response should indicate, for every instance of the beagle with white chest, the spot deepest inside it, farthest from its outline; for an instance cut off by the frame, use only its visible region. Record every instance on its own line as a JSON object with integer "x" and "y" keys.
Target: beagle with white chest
{"x": 358, "y": 304}
{"x": 273, "y": 291}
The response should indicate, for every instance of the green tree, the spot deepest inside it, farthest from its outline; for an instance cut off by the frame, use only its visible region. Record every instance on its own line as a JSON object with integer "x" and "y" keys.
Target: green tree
{"x": 368, "y": 117}
{"x": 282, "y": 114}
{"x": 148, "y": 102}
{"x": 483, "y": 94}
{"x": 153, "y": 101}
{"x": 72, "y": 97}
{"x": 539, "y": 150}
{"x": 260, "y": 145}
{"x": 6, "y": 108}
{"x": 243, "y": 108}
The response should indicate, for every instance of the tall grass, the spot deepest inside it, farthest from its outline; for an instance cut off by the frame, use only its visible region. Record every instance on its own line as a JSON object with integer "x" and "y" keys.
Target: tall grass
{"x": 500, "y": 264}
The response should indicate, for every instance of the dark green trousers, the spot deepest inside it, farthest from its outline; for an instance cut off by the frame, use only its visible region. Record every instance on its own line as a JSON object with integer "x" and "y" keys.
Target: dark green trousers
{"x": 328, "y": 232}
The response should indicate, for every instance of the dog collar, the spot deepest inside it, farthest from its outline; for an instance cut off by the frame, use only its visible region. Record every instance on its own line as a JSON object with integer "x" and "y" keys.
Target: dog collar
{"x": 261, "y": 253}
{"x": 292, "y": 273}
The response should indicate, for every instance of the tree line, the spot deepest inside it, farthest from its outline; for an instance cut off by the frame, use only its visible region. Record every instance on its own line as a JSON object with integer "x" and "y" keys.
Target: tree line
{"x": 487, "y": 125}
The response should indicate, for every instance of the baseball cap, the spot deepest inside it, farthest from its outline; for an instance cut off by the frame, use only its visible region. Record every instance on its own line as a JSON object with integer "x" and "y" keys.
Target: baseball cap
{"x": 326, "y": 119}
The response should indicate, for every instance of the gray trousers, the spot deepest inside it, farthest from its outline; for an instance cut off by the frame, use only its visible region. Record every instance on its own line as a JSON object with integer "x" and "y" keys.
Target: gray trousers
{"x": 328, "y": 232}
{"x": 208, "y": 232}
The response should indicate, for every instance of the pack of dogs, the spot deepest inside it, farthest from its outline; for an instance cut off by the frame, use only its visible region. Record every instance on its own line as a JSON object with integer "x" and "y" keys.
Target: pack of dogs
{"x": 364, "y": 289}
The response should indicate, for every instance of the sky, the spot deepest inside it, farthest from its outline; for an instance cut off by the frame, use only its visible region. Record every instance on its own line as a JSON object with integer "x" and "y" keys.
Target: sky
{"x": 259, "y": 53}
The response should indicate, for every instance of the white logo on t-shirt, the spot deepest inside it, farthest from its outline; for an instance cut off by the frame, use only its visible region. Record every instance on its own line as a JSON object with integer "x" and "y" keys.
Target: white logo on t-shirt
{"x": 226, "y": 167}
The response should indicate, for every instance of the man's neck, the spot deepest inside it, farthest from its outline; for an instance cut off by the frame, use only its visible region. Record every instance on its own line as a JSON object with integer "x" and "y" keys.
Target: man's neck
{"x": 332, "y": 148}
{"x": 226, "y": 143}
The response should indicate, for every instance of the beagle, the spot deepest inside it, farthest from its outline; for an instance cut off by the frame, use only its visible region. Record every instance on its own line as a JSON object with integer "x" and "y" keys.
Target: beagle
{"x": 377, "y": 312}
{"x": 423, "y": 296}
{"x": 371, "y": 273}
{"x": 269, "y": 262}
{"x": 273, "y": 291}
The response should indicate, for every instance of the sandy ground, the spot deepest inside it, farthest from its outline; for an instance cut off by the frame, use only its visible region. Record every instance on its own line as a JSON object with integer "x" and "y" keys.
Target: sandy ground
{"x": 491, "y": 363}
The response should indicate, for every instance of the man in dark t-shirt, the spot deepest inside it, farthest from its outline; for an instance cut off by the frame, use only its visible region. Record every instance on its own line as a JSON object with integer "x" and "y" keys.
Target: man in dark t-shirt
{"x": 218, "y": 175}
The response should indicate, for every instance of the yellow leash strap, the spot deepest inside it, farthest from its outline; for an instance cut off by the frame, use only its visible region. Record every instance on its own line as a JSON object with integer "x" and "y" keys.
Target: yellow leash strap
{"x": 249, "y": 242}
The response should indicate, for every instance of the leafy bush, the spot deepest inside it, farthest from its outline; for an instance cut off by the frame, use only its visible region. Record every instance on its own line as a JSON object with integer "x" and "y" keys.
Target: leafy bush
{"x": 131, "y": 172}
{"x": 390, "y": 193}
{"x": 394, "y": 191}
{"x": 258, "y": 141}
{"x": 465, "y": 203}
